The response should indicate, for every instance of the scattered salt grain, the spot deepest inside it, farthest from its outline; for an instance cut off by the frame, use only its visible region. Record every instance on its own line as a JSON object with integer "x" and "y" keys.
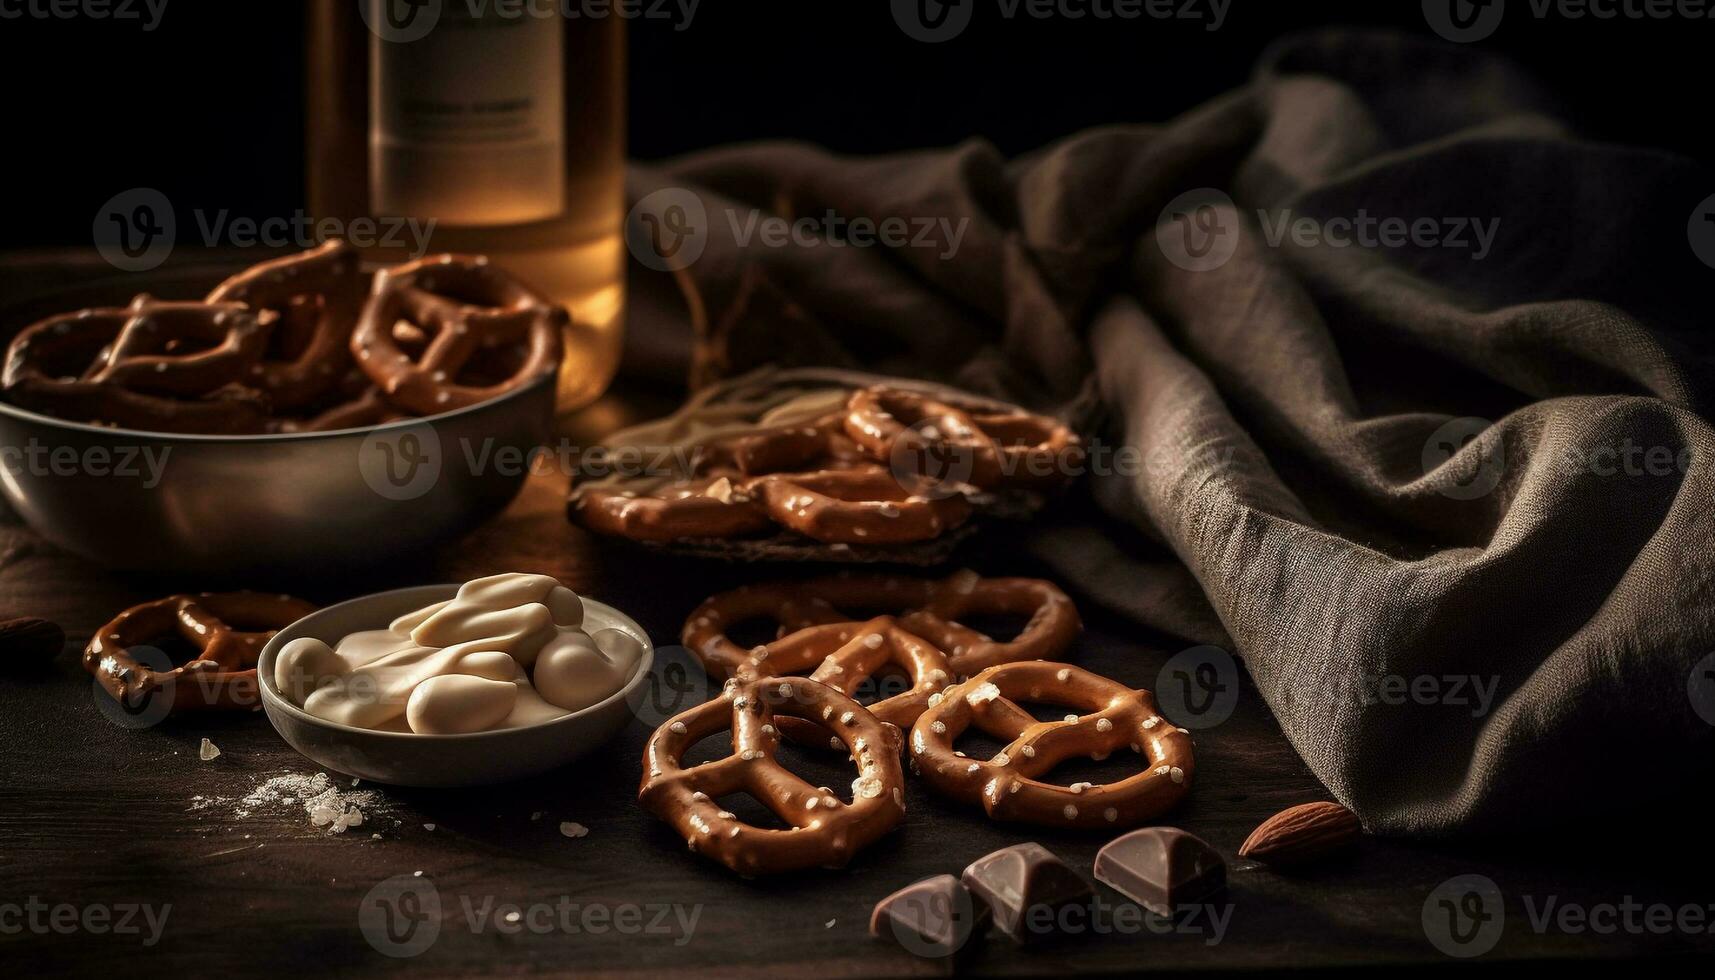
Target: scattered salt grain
{"x": 208, "y": 751}
{"x": 573, "y": 829}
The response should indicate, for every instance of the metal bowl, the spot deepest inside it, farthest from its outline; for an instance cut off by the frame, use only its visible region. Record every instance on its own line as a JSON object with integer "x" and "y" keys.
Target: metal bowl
{"x": 284, "y": 504}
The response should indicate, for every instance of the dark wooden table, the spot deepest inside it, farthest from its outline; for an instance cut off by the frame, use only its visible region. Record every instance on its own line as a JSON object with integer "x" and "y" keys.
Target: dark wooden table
{"x": 98, "y": 817}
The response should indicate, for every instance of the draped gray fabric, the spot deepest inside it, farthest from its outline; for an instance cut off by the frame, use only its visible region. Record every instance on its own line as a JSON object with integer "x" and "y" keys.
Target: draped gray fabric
{"x": 1428, "y": 458}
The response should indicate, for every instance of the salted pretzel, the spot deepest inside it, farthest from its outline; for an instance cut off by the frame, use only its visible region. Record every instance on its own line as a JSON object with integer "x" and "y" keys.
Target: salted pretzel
{"x": 467, "y": 311}
{"x": 152, "y": 365}
{"x": 228, "y": 630}
{"x": 809, "y": 478}
{"x": 1001, "y": 449}
{"x": 1007, "y": 785}
{"x": 928, "y": 608}
{"x": 857, "y": 505}
{"x": 670, "y": 510}
{"x": 316, "y": 296}
{"x": 844, "y": 656}
{"x": 824, "y": 831}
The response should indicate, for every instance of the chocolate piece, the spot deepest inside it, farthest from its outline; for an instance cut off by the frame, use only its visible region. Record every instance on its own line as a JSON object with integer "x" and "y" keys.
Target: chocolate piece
{"x": 1161, "y": 868}
{"x": 933, "y": 918}
{"x": 1025, "y": 887}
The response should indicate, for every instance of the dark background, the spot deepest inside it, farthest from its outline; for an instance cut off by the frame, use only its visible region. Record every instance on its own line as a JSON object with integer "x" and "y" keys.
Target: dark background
{"x": 209, "y": 107}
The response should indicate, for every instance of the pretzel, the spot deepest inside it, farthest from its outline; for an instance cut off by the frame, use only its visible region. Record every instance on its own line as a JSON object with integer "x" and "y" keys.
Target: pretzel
{"x": 1004, "y": 449}
{"x": 228, "y": 629}
{"x": 831, "y": 494}
{"x": 929, "y": 608}
{"x": 824, "y": 831}
{"x": 861, "y": 504}
{"x": 367, "y": 409}
{"x": 1006, "y": 785}
{"x": 118, "y": 366}
{"x": 467, "y": 309}
{"x": 317, "y": 296}
{"x": 670, "y": 510}
{"x": 845, "y": 655}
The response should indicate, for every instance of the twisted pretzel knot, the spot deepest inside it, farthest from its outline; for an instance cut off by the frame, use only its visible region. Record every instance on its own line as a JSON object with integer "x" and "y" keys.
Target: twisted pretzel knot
{"x": 228, "y": 629}
{"x": 845, "y": 655}
{"x": 824, "y": 831}
{"x": 316, "y": 296}
{"x": 1114, "y": 717}
{"x": 1004, "y": 449}
{"x": 161, "y": 366}
{"x": 467, "y": 310}
{"x": 928, "y": 608}
{"x": 809, "y": 478}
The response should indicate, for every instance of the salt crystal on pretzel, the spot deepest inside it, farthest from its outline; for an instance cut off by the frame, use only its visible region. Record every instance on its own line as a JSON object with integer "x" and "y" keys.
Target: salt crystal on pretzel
{"x": 926, "y": 608}
{"x": 467, "y": 310}
{"x": 823, "y": 831}
{"x": 1007, "y": 785}
{"x": 998, "y": 448}
{"x": 153, "y": 365}
{"x": 846, "y": 655}
{"x": 316, "y": 296}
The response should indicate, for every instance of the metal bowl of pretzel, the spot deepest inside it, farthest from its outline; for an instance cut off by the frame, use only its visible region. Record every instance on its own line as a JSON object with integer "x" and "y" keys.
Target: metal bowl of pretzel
{"x": 306, "y": 412}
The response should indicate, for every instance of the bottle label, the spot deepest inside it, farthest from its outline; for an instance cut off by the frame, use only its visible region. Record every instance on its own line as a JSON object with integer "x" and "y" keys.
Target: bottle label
{"x": 468, "y": 123}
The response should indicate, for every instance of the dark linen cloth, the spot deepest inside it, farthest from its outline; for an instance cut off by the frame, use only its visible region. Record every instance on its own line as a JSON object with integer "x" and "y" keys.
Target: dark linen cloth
{"x": 1420, "y": 460}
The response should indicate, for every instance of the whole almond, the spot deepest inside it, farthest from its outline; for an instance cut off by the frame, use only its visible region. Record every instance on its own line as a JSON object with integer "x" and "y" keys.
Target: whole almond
{"x": 1302, "y": 835}
{"x": 28, "y": 641}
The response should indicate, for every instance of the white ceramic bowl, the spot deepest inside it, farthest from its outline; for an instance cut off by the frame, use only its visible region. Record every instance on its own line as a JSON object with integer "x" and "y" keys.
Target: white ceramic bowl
{"x": 404, "y": 759}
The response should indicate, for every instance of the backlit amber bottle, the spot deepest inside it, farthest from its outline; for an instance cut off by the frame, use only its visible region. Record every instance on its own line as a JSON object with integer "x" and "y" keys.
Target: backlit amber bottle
{"x": 503, "y": 125}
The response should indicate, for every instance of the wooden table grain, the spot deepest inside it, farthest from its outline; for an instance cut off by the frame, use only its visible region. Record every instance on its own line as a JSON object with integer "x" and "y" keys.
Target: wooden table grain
{"x": 97, "y": 816}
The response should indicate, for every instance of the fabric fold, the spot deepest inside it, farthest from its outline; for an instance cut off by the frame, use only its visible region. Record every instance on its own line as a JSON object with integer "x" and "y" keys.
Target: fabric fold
{"x": 1471, "y": 455}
